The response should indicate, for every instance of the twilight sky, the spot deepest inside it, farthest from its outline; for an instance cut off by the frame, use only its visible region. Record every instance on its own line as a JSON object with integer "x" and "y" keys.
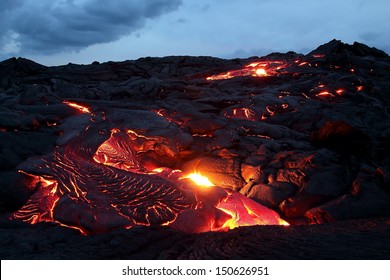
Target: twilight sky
{"x": 54, "y": 32}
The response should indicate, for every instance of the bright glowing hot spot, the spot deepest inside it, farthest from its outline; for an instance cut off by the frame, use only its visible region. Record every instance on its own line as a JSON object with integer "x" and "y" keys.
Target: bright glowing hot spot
{"x": 199, "y": 179}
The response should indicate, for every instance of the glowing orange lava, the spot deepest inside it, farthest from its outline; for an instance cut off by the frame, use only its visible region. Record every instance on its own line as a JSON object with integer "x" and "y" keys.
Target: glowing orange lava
{"x": 254, "y": 69}
{"x": 242, "y": 210}
{"x": 246, "y": 212}
{"x": 261, "y": 72}
{"x": 325, "y": 94}
{"x": 199, "y": 179}
{"x": 242, "y": 113}
{"x": 49, "y": 188}
{"x": 81, "y": 108}
{"x": 112, "y": 189}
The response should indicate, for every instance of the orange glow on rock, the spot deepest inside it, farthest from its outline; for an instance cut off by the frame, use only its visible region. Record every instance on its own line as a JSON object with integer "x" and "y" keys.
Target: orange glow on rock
{"x": 242, "y": 113}
{"x": 246, "y": 212}
{"x": 81, "y": 108}
{"x": 318, "y": 55}
{"x": 325, "y": 94}
{"x": 117, "y": 152}
{"x": 49, "y": 189}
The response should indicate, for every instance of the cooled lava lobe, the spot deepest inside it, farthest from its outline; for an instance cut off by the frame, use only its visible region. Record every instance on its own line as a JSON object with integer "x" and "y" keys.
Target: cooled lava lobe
{"x": 100, "y": 145}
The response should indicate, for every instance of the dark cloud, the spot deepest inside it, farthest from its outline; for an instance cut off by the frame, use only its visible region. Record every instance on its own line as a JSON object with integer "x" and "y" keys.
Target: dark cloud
{"x": 6, "y": 5}
{"x": 48, "y": 26}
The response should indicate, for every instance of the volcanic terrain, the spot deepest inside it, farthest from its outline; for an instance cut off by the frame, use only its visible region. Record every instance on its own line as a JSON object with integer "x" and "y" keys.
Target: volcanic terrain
{"x": 285, "y": 156}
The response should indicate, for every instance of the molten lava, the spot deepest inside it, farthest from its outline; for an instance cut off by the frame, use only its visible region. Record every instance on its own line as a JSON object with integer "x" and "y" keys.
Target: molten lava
{"x": 242, "y": 113}
{"x": 96, "y": 183}
{"x": 325, "y": 94}
{"x": 242, "y": 210}
{"x": 199, "y": 179}
{"x": 81, "y": 108}
{"x": 254, "y": 69}
{"x": 246, "y": 212}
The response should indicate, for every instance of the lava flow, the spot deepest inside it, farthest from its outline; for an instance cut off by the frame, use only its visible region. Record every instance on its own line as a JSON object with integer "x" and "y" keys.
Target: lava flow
{"x": 242, "y": 210}
{"x": 95, "y": 183}
{"x": 80, "y": 108}
{"x": 254, "y": 69}
{"x": 199, "y": 179}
